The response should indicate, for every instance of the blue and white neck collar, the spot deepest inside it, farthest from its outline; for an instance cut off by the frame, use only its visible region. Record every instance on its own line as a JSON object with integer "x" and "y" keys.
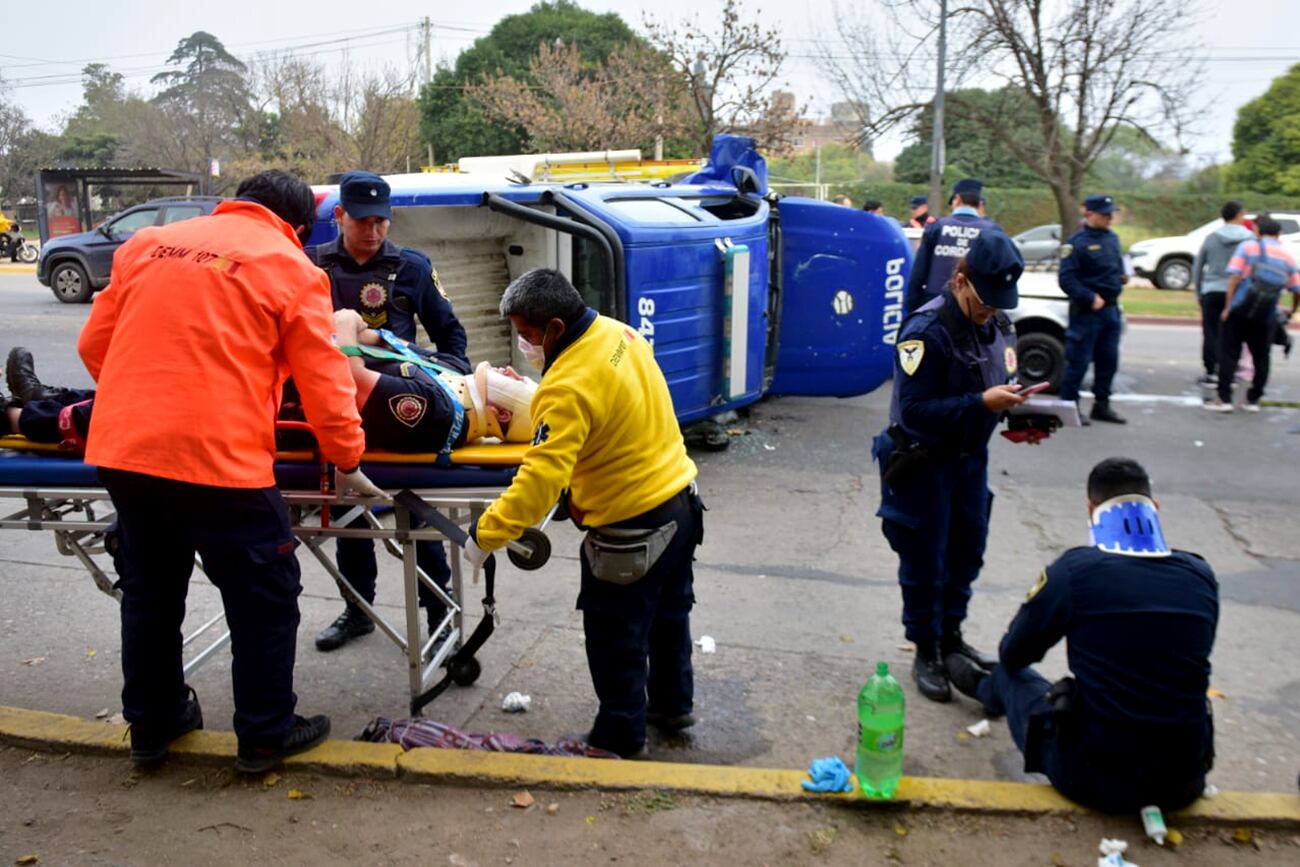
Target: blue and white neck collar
{"x": 1128, "y": 525}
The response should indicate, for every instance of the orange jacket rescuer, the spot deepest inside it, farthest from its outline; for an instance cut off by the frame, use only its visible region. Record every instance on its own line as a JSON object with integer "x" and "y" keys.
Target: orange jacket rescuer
{"x": 192, "y": 341}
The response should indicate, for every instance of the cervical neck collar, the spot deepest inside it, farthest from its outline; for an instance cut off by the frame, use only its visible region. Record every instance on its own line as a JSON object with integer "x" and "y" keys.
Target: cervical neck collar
{"x": 1128, "y": 525}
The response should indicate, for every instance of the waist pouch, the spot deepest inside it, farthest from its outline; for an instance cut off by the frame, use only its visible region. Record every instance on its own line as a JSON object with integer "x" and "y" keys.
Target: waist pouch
{"x": 623, "y": 555}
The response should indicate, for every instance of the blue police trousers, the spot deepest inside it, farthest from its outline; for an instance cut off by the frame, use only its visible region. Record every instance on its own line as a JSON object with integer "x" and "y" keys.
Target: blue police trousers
{"x": 356, "y": 560}
{"x": 1092, "y": 338}
{"x": 247, "y": 547}
{"x": 638, "y": 636}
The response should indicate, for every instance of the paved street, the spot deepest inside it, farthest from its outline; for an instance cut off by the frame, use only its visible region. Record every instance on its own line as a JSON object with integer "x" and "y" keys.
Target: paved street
{"x": 794, "y": 581}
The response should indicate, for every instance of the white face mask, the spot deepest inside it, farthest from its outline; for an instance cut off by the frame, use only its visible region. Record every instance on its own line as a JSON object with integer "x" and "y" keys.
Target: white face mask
{"x": 532, "y": 353}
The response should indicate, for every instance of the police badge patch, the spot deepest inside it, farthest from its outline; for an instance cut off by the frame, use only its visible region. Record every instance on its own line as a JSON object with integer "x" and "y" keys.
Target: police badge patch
{"x": 374, "y": 295}
{"x": 437, "y": 284}
{"x": 910, "y": 353}
{"x": 1010, "y": 356}
{"x": 408, "y": 408}
{"x": 1066, "y": 250}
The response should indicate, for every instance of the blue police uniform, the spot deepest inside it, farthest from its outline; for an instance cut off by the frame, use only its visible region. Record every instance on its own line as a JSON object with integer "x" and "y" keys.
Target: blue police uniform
{"x": 1133, "y": 726}
{"x": 945, "y": 241}
{"x": 1092, "y": 265}
{"x": 392, "y": 290}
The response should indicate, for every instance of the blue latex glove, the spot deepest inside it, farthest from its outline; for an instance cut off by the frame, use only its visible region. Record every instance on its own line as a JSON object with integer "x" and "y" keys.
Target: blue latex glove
{"x": 828, "y": 775}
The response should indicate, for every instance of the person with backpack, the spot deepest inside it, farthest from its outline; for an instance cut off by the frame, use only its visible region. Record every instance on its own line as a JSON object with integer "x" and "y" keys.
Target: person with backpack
{"x": 1210, "y": 275}
{"x": 1265, "y": 269}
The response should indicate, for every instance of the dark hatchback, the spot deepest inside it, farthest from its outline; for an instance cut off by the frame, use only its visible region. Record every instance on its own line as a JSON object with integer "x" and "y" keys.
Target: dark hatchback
{"x": 75, "y": 266}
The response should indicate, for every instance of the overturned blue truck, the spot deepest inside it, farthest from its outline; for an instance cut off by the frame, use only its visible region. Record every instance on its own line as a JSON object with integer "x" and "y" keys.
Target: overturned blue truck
{"x": 742, "y": 292}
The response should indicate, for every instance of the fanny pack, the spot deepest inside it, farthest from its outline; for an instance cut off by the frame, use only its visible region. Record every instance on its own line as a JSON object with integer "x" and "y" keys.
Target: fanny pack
{"x": 623, "y": 555}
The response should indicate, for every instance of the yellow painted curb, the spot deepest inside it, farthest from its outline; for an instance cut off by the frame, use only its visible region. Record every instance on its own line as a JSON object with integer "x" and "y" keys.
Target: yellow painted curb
{"x": 10, "y": 268}
{"x": 57, "y": 733}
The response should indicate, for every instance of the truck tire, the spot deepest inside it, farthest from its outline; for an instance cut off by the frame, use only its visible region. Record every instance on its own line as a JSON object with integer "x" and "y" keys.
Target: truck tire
{"x": 1174, "y": 273}
{"x": 1040, "y": 357}
{"x": 70, "y": 284}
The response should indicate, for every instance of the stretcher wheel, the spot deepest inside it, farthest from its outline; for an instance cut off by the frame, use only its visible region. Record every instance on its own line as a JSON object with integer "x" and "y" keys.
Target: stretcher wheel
{"x": 465, "y": 672}
{"x": 539, "y": 546}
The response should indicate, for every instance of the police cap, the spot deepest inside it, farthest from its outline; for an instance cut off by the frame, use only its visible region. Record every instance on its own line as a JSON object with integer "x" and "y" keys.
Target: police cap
{"x": 995, "y": 265}
{"x": 364, "y": 194}
{"x": 1099, "y": 204}
{"x": 968, "y": 185}
{"x": 918, "y": 201}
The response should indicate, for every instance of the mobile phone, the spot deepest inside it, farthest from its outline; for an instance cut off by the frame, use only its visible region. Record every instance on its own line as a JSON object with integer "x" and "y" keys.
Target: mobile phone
{"x": 1033, "y": 389}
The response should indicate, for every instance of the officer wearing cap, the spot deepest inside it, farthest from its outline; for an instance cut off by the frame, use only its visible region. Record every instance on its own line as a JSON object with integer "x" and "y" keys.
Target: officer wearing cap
{"x": 921, "y": 218}
{"x": 956, "y": 358}
{"x": 945, "y": 241}
{"x": 391, "y": 287}
{"x": 1092, "y": 275}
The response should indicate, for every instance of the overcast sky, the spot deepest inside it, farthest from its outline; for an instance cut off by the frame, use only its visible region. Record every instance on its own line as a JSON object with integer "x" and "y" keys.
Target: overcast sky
{"x": 41, "y": 54}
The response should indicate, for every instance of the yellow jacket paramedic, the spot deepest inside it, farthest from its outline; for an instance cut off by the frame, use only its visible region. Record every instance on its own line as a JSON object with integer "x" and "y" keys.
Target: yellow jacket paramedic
{"x": 605, "y": 431}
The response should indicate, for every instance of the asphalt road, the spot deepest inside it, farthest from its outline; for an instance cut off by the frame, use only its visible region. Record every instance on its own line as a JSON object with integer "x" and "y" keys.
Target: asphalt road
{"x": 794, "y": 581}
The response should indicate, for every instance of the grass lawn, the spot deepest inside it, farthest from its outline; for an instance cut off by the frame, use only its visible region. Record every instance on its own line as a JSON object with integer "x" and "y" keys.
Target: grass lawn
{"x": 1145, "y": 300}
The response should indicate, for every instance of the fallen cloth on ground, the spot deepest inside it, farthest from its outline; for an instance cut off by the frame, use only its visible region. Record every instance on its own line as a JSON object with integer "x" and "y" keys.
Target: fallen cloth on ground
{"x": 420, "y": 732}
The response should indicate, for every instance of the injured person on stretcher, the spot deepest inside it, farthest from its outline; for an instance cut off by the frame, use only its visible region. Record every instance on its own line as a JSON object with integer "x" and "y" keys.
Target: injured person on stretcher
{"x": 411, "y": 400}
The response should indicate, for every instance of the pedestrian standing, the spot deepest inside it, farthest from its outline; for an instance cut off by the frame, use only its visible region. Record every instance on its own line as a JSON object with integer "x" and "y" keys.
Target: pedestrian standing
{"x": 1210, "y": 274}
{"x": 1092, "y": 275}
{"x": 944, "y": 242}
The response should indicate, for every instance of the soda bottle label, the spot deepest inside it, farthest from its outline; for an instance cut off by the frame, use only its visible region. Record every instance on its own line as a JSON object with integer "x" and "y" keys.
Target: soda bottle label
{"x": 887, "y": 741}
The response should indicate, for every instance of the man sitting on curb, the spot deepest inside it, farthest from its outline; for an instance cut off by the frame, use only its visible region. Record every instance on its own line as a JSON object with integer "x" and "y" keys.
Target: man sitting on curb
{"x": 1132, "y": 726}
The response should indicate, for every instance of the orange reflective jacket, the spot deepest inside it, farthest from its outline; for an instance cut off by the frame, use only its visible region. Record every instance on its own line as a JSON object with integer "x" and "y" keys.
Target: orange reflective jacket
{"x": 192, "y": 341}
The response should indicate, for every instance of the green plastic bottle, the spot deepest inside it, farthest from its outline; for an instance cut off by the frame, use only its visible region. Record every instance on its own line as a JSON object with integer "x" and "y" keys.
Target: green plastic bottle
{"x": 880, "y": 734}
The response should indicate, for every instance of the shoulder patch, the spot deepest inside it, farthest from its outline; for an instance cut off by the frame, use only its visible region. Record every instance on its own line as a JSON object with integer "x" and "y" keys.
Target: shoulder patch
{"x": 1038, "y": 585}
{"x": 1067, "y": 250}
{"x": 1009, "y": 356}
{"x": 910, "y": 353}
{"x": 437, "y": 284}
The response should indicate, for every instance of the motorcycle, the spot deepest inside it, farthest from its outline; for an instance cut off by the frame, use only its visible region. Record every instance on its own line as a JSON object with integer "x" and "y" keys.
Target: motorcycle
{"x": 17, "y": 248}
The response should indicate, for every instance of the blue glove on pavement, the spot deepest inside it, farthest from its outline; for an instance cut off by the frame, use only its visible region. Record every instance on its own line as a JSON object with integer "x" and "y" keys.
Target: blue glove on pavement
{"x": 828, "y": 775}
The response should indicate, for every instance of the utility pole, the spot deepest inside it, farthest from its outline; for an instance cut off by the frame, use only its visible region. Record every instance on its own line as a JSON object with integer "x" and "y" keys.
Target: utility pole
{"x": 427, "y": 27}
{"x": 936, "y": 146}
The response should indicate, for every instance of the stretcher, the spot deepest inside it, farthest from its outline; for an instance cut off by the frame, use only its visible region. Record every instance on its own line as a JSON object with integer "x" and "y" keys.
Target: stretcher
{"x": 45, "y": 488}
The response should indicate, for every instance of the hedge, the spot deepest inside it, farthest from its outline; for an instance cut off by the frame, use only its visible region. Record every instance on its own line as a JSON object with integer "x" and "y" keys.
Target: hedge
{"x": 1148, "y": 214}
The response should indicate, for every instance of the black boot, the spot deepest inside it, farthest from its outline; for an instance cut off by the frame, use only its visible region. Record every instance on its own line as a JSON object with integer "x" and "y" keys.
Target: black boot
{"x": 1101, "y": 411}
{"x": 20, "y": 371}
{"x": 953, "y": 643}
{"x": 352, "y": 623}
{"x": 966, "y": 676}
{"x": 928, "y": 672}
{"x": 149, "y": 744}
{"x": 256, "y": 758}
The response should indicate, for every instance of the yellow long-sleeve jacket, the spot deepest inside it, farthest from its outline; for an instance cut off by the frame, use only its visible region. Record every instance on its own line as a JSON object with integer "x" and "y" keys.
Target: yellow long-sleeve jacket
{"x": 604, "y": 428}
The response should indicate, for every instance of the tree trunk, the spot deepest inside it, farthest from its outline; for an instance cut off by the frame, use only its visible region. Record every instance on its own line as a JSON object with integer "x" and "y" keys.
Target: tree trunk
{"x": 1067, "y": 207}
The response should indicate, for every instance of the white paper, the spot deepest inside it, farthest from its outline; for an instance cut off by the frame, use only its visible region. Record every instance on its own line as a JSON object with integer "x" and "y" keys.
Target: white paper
{"x": 1065, "y": 410}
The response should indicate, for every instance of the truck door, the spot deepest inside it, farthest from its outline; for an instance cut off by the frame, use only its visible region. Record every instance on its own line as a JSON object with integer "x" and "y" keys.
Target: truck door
{"x": 842, "y": 273}
{"x": 695, "y": 285}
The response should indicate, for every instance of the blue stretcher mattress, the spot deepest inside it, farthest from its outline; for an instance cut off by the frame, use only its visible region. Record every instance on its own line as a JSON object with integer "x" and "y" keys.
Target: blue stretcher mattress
{"x": 19, "y": 470}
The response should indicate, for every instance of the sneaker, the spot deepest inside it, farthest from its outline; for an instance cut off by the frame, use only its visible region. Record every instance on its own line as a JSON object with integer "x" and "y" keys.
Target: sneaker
{"x": 1217, "y": 405}
{"x": 352, "y": 623}
{"x": 1251, "y": 406}
{"x": 670, "y": 722}
{"x": 150, "y": 744}
{"x": 1207, "y": 379}
{"x": 305, "y": 734}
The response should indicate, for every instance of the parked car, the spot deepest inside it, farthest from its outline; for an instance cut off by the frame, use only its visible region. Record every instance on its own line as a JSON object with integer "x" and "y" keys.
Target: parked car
{"x": 1040, "y": 245}
{"x": 76, "y": 266}
{"x": 1167, "y": 262}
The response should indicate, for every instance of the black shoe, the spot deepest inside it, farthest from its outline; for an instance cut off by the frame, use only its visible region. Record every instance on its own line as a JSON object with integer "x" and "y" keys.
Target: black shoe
{"x": 1101, "y": 411}
{"x": 352, "y": 623}
{"x": 20, "y": 372}
{"x": 149, "y": 744}
{"x": 305, "y": 734}
{"x": 965, "y": 674}
{"x": 670, "y": 722}
{"x": 953, "y": 643}
{"x": 928, "y": 672}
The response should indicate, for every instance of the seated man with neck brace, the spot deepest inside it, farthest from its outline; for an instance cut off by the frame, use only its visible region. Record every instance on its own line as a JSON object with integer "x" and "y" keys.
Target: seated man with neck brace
{"x": 410, "y": 403}
{"x": 1131, "y": 727}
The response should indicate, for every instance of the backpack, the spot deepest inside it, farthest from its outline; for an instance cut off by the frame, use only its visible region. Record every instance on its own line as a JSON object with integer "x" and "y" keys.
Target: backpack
{"x": 1268, "y": 277}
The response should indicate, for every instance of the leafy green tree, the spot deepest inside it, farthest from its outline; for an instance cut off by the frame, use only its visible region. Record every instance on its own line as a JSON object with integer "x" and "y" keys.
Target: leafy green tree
{"x": 455, "y": 125}
{"x": 972, "y": 149}
{"x": 207, "y": 98}
{"x": 1266, "y": 139}
{"x": 840, "y": 164}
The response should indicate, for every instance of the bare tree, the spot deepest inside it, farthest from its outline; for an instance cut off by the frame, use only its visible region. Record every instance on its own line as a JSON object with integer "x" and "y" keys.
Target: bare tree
{"x": 625, "y": 101}
{"x": 1087, "y": 67}
{"x": 730, "y": 73}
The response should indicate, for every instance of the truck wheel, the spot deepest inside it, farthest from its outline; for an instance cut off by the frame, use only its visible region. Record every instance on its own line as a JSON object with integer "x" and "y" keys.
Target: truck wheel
{"x": 70, "y": 283}
{"x": 1175, "y": 273}
{"x": 1040, "y": 357}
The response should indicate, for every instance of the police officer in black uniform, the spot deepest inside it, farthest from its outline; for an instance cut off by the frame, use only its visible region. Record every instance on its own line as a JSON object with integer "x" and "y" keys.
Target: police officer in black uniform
{"x": 1092, "y": 275}
{"x": 944, "y": 242}
{"x": 956, "y": 356}
{"x": 391, "y": 287}
{"x": 1131, "y": 727}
